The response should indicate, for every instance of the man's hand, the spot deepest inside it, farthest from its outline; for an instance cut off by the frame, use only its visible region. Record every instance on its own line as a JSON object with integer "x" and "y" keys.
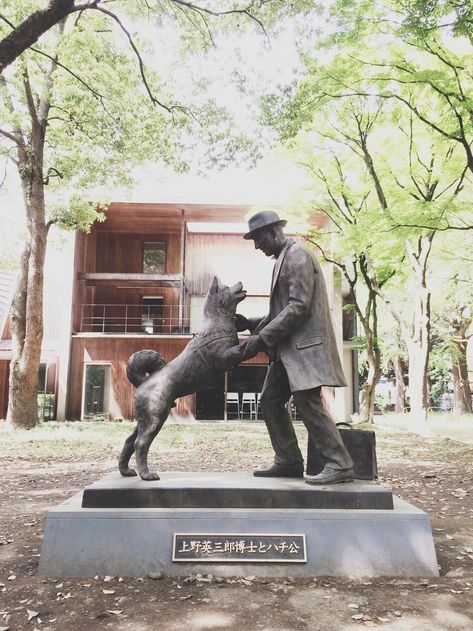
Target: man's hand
{"x": 241, "y": 323}
{"x": 251, "y": 347}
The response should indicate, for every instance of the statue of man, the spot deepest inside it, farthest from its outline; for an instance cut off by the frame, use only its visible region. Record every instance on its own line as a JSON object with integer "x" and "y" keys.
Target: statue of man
{"x": 298, "y": 337}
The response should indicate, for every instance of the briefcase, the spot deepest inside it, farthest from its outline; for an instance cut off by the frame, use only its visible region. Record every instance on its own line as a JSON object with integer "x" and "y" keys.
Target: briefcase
{"x": 360, "y": 444}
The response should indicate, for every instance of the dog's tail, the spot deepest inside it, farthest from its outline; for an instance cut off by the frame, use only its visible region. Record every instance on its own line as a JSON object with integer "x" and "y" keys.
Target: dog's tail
{"x": 143, "y": 364}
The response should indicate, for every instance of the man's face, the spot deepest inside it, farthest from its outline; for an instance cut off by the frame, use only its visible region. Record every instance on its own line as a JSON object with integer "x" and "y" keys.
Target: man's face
{"x": 264, "y": 240}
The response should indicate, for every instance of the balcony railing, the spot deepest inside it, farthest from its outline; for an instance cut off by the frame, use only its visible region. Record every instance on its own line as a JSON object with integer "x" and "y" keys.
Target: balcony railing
{"x": 170, "y": 319}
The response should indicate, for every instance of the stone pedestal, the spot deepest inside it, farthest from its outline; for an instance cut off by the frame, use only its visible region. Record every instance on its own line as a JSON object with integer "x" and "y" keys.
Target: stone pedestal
{"x": 127, "y": 527}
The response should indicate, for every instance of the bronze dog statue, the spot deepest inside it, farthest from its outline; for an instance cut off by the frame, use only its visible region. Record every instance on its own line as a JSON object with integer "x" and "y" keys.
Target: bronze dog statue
{"x": 211, "y": 352}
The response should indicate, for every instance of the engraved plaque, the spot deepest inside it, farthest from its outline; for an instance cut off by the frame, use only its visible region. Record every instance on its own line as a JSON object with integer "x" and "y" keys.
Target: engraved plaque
{"x": 239, "y": 548}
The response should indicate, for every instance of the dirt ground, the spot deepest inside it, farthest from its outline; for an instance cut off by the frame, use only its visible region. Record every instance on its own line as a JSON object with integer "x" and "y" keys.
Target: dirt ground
{"x": 40, "y": 470}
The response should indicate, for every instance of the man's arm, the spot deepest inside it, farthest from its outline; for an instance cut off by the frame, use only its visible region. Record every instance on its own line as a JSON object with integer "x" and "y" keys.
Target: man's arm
{"x": 250, "y": 324}
{"x": 300, "y": 273}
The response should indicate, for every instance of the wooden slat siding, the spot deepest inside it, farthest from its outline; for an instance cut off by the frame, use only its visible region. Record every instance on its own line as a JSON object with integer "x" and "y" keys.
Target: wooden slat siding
{"x": 125, "y": 216}
{"x": 231, "y": 258}
{"x": 131, "y": 279}
{"x": 123, "y": 253}
{"x": 84, "y": 261}
{"x": 7, "y": 289}
{"x": 116, "y": 351}
{"x": 51, "y": 378}
{"x": 4, "y": 375}
{"x": 118, "y": 253}
{"x": 7, "y": 332}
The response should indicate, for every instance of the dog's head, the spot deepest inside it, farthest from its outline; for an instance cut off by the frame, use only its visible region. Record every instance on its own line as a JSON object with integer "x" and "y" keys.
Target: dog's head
{"x": 223, "y": 300}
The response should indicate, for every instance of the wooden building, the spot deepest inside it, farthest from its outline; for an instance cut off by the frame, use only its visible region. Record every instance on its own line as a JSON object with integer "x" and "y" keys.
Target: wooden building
{"x": 138, "y": 281}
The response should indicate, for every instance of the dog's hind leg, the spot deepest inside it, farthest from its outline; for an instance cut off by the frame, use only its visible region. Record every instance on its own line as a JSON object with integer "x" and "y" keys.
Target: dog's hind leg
{"x": 126, "y": 454}
{"x": 146, "y": 433}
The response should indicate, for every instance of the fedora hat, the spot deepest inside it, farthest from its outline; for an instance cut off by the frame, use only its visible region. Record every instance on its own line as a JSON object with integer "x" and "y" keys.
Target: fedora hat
{"x": 263, "y": 219}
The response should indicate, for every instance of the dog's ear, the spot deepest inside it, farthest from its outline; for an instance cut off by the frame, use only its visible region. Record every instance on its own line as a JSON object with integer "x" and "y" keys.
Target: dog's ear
{"x": 214, "y": 285}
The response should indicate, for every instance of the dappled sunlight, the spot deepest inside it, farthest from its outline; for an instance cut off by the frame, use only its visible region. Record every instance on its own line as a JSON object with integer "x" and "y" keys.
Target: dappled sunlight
{"x": 204, "y": 621}
{"x": 435, "y": 612}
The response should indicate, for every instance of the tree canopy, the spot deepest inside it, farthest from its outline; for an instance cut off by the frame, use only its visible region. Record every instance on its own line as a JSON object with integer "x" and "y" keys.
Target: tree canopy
{"x": 382, "y": 117}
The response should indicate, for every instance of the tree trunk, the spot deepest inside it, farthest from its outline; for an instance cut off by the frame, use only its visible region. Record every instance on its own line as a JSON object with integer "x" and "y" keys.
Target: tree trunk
{"x": 30, "y": 30}
{"x": 418, "y": 344}
{"x": 461, "y": 384}
{"x": 27, "y": 310}
{"x": 399, "y": 369}
{"x": 418, "y": 387}
{"x": 366, "y": 413}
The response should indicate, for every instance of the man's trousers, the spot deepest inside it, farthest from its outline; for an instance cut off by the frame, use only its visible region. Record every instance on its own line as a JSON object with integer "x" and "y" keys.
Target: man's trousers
{"x": 321, "y": 428}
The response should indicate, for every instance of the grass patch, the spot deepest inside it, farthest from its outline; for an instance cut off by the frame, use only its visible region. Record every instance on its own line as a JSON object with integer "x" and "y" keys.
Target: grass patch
{"x": 433, "y": 417}
{"x": 96, "y": 439}
{"x": 219, "y": 442}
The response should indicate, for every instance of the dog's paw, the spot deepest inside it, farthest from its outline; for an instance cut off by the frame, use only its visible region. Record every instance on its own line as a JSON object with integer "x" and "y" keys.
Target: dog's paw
{"x": 149, "y": 475}
{"x": 128, "y": 473}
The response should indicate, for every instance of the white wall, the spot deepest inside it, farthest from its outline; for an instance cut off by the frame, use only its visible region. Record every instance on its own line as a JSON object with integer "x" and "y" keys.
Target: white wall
{"x": 58, "y": 280}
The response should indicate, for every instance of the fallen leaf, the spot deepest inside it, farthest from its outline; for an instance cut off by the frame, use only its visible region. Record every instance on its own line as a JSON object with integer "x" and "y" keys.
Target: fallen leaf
{"x": 31, "y": 614}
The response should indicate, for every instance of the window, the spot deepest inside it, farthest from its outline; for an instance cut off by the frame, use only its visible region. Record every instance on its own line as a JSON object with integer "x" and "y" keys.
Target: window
{"x": 152, "y": 314}
{"x": 46, "y": 394}
{"x": 96, "y": 397}
{"x": 348, "y": 319}
{"x": 154, "y": 258}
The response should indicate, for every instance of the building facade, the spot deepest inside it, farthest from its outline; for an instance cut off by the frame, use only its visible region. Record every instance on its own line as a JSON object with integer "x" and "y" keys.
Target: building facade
{"x": 138, "y": 281}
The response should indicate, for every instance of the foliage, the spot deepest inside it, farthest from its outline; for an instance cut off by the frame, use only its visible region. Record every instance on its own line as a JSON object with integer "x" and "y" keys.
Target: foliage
{"x": 383, "y": 120}
{"x": 100, "y": 118}
{"x": 440, "y": 374}
{"x": 78, "y": 214}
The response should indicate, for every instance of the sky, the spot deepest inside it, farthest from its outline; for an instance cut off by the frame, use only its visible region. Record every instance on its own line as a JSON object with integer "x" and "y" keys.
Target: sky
{"x": 255, "y": 59}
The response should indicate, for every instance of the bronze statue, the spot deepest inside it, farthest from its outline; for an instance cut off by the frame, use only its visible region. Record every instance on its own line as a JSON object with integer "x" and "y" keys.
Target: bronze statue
{"x": 298, "y": 337}
{"x": 210, "y": 353}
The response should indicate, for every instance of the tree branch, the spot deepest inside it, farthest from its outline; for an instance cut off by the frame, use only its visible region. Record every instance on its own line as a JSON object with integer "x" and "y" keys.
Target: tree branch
{"x": 16, "y": 134}
{"x": 30, "y": 30}
{"x": 96, "y": 94}
{"x": 11, "y": 136}
{"x": 52, "y": 172}
{"x": 117, "y": 20}
{"x": 244, "y": 11}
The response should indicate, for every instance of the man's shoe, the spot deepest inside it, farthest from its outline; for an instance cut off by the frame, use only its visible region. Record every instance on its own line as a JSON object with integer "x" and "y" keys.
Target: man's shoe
{"x": 331, "y": 476}
{"x": 282, "y": 471}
